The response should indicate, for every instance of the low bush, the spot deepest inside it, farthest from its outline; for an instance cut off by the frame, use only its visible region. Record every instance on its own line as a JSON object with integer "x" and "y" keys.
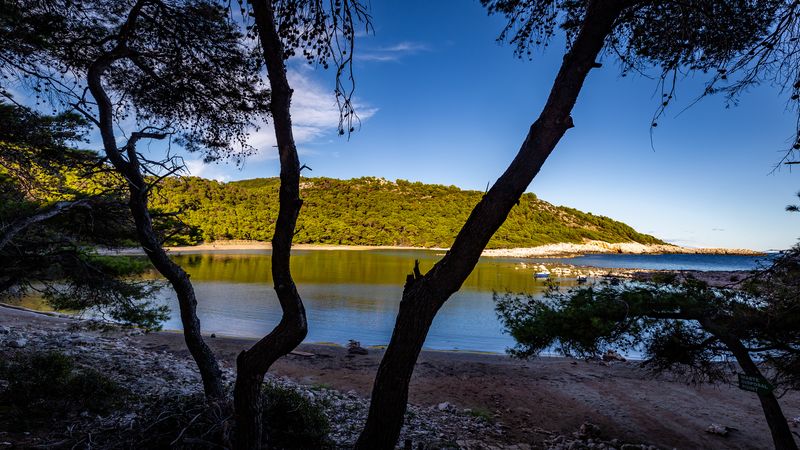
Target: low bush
{"x": 292, "y": 421}
{"x": 41, "y": 385}
{"x": 481, "y": 413}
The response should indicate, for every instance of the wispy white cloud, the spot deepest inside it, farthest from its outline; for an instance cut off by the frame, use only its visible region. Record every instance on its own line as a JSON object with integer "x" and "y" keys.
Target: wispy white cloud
{"x": 392, "y": 52}
{"x": 407, "y": 47}
{"x": 213, "y": 171}
{"x": 315, "y": 116}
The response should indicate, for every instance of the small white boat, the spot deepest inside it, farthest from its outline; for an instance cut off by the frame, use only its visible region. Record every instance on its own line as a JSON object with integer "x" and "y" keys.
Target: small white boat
{"x": 582, "y": 279}
{"x": 541, "y": 275}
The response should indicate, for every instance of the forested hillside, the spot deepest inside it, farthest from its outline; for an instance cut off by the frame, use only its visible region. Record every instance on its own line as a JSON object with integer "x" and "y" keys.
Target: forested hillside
{"x": 373, "y": 211}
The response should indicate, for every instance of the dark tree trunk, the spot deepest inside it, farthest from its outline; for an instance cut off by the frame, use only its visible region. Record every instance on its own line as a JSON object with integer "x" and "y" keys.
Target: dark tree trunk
{"x": 424, "y": 295}
{"x": 207, "y": 364}
{"x": 778, "y": 426}
{"x": 254, "y": 363}
{"x": 148, "y": 239}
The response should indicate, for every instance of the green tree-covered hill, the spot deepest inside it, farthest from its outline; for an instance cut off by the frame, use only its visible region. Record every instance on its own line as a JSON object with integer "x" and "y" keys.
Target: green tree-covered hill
{"x": 373, "y": 211}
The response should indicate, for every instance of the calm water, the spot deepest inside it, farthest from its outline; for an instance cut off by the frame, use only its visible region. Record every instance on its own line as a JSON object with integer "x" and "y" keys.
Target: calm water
{"x": 666, "y": 262}
{"x": 355, "y": 294}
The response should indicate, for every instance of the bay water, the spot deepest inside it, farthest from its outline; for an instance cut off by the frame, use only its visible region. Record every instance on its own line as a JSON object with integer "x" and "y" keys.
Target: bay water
{"x": 355, "y": 294}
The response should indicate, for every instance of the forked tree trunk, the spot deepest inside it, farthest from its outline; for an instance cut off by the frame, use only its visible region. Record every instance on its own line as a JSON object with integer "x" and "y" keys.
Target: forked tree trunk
{"x": 148, "y": 239}
{"x": 254, "y": 363}
{"x": 424, "y": 295}
{"x": 778, "y": 426}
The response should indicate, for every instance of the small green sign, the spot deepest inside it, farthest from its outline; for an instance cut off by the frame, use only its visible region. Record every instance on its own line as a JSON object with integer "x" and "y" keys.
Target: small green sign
{"x": 754, "y": 384}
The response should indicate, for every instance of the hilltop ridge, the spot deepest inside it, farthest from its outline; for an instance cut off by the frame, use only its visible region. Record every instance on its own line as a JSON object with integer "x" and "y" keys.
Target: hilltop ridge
{"x": 374, "y": 211}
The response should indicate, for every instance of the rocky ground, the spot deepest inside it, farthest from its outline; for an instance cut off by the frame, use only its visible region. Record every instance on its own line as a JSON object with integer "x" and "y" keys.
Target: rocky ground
{"x": 159, "y": 373}
{"x": 458, "y": 400}
{"x": 149, "y": 373}
{"x": 568, "y": 272}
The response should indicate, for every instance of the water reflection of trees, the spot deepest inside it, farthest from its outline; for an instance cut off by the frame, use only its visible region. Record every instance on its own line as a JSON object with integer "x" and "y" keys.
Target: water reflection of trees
{"x": 351, "y": 267}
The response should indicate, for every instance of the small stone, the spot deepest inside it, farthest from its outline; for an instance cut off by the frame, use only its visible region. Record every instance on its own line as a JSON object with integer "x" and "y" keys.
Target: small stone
{"x": 588, "y": 430}
{"x": 611, "y": 355}
{"x": 717, "y": 429}
{"x": 17, "y": 343}
{"x": 213, "y": 335}
{"x": 444, "y": 406}
{"x": 4, "y": 330}
{"x": 357, "y": 351}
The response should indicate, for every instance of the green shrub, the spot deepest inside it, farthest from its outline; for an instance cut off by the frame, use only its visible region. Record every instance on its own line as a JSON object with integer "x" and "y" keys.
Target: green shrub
{"x": 664, "y": 277}
{"x": 35, "y": 377}
{"x": 481, "y": 413}
{"x": 291, "y": 421}
{"x": 118, "y": 265}
{"x": 48, "y": 384}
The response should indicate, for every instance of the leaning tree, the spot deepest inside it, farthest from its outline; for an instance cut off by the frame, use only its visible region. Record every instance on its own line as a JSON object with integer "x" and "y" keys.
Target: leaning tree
{"x": 51, "y": 220}
{"x": 324, "y": 33}
{"x": 142, "y": 70}
{"x": 668, "y": 36}
{"x": 683, "y": 327}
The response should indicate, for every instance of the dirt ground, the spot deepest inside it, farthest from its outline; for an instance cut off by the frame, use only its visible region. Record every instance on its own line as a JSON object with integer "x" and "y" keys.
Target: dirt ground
{"x": 545, "y": 394}
{"x": 530, "y": 398}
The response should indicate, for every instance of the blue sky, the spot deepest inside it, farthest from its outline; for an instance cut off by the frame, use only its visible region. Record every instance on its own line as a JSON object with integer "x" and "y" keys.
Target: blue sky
{"x": 443, "y": 102}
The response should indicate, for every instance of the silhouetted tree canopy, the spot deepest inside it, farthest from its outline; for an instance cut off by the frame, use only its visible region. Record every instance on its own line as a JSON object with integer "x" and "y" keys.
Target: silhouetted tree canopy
{"x": 52, "y": 218}
{"x": 668, "y": 321}
{"x": 738, "y": 43}
{"x": 323, "y": 33}
{"x": 174, "y": 67}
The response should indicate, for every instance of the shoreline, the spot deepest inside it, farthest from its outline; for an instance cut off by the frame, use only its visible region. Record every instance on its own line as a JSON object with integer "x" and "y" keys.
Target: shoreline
{"x": 542, "y": 251}
{"x": 234, "y": 337}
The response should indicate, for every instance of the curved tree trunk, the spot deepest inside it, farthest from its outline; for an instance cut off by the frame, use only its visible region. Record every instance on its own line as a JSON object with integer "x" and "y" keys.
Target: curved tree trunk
{"x": 424, "y": 295}
{"x": 187, "y": 301}
{"x": 778, "y": 426}
{"x": 253, "y": 364}
{"x": 148, "y": 239}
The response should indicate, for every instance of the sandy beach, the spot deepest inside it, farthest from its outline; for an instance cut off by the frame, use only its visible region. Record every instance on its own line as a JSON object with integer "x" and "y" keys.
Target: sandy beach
{"x": 529, "y": 400}
{"x": 550, "y": 250}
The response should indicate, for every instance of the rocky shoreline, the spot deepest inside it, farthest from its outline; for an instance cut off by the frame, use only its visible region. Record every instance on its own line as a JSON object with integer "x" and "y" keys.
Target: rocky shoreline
{"x": 570, "y": 272}
{"x": 549, "y": 250}
{"x": 600, "y": 247}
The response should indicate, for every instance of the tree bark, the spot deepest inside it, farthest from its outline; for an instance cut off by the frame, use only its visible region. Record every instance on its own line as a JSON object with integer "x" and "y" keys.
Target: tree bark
{"x": 253, "y": 364}
{"x": 778, "y": 426}
{"x": 207, "y": 364}
{"x": 424, "y": 295}
{"x": 20, "y": 225}
{"x": 148, "y": 239}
